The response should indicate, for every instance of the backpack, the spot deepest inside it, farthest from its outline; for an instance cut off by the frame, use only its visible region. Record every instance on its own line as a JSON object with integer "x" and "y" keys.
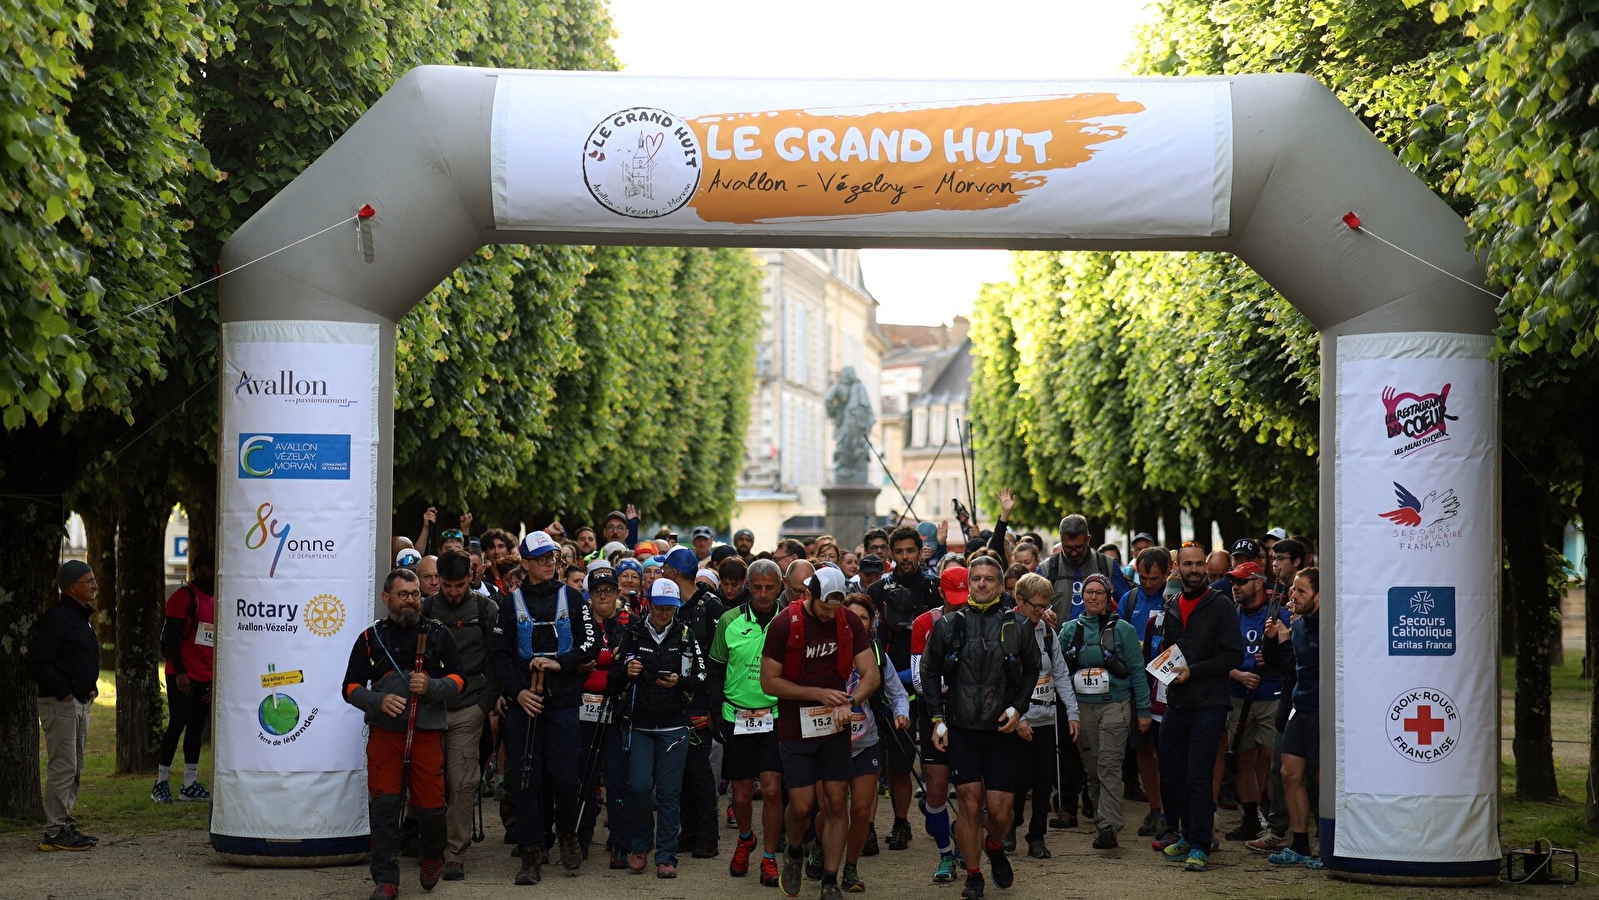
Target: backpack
{"x": 1102, "y": 566}
{"x": 1107, "y": 646}
{"x": 957, "y": 637}
{"x": 483, "y": 623}
{"x": 794, "y": 652}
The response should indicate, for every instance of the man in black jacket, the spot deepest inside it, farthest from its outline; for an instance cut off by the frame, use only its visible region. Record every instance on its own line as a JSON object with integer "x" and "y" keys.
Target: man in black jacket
{"x": 1204, "y": 626}
{"x": 66, "y": 664}
{"x": 545, "y": 628}
{"x": 702, "y": 608}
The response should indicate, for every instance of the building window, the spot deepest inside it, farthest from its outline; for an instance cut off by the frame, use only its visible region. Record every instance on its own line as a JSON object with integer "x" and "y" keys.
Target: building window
{"x": 938, "y": 417}
{"x": 919, "y": 427}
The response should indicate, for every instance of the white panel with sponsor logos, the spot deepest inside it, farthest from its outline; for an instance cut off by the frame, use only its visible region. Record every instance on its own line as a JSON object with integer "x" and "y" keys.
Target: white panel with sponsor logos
{"x": 296, "y": 526}
{"x": 1417, "y": 575}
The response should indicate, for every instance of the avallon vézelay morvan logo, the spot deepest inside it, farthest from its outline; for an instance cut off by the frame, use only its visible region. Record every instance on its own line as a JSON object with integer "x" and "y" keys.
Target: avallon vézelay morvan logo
{"x": 1420, "y": 419}
{"x": 642, "y": 162}
{"x": 1425, "y": 523}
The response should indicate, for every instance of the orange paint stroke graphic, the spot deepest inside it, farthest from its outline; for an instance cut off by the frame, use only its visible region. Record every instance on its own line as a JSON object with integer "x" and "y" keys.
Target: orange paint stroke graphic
{"x": 786, "y": 164}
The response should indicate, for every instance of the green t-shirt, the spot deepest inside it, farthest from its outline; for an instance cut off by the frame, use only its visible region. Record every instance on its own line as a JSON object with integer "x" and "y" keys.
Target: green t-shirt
{"x": 740, "y": 637}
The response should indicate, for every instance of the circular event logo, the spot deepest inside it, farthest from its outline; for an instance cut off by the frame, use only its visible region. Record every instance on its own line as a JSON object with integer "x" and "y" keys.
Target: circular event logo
{"x": 1423, "y": 725}
{"x": 642, "y": 162}
{"x": 278, "y": 714}
{"x": 324, "y": 615}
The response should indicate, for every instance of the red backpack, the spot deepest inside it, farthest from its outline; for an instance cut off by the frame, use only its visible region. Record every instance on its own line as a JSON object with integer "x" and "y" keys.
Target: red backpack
{"x": 794, "y": 653}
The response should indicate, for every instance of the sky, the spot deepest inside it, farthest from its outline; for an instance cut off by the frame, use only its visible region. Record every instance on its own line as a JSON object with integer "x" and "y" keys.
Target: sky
{"x": 871, "y": 39}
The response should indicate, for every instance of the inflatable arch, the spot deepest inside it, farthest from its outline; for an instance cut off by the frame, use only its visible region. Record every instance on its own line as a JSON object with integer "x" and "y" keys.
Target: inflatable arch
{"x": 1262, "y": 166}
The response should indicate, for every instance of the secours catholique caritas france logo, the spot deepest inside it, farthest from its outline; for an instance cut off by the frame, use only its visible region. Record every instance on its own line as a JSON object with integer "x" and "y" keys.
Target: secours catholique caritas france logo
{"x": 642, "y": 162}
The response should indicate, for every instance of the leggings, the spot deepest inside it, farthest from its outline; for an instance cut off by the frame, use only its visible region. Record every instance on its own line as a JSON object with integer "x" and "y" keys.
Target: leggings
{"x": 187, "y": 715}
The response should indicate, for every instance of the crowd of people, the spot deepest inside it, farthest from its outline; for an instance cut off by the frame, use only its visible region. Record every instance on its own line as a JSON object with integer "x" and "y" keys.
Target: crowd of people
{"x": 600, "y": 677}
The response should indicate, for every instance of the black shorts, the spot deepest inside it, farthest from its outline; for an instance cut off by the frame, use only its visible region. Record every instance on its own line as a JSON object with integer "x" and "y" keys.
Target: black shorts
{"x": 807, "y": 762}
{"x": 986, "y": 756}
{"x": 746, "y": 756}
{"x": 868, "y": 761}
{"x": 1302, "y": 737}
{"x": 1140, "y": 739}
{"x": 931, "y": 756}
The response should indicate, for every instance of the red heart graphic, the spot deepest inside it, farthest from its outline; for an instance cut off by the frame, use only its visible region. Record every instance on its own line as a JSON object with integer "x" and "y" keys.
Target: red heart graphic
{"x": 653, "y": 142}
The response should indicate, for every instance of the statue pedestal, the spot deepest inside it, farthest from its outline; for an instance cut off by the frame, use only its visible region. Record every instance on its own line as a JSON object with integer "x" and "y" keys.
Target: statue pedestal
{"x": 849, "y": 506}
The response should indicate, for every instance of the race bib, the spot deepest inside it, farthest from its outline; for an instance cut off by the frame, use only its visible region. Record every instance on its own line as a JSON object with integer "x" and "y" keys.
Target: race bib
{"x": 857, "y": 724}
{"x": 205, "y": 634}
{"x": 593, "y": 709}
{"x": 822, "y": 721}
{"x": 1044, "y": 691}
{"x": 752, "y": 721}
{"x": 1091, "y": 681}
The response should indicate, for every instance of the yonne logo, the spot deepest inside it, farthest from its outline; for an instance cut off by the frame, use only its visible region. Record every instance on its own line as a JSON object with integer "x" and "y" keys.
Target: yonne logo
{"x": 304, "y": 457}
{"x": 289, "y": 387}
{"x": 642, "y": 162}
{"x": 299, "y": 548}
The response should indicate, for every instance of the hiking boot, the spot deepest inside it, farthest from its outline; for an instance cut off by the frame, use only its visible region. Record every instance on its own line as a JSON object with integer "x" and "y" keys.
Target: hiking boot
{"x": 850, "y": 879}
{"x": 1154, "y": 823}
{"x": 768, "y": 871}
{"x": 945, "y": 873}
{"x": 740, "y": 865}
{"x": 67, "y": 838}
{"x": 635, "y": 863}
{"x": 1106, "y": 839}
{"x": 571, "y": 853}
{"x": 1198, "y": 861}
{"x": 1268, "y": 842}
{"x": 1000, "y": 868}
{"x": 618, "y": 858}
{"x": 831, "y": 892}
{"x": 431, "y": 870}
{"x": 454, "y": 871}
{"x": 1178, "y": 851}
{"x": 899, "y": 837}
{"x": 1010, "y": 840}
{"x": 1036, "y": 848}
{"x": 531, "y": 867}
{"x": 161, "y": 793}
{"x": 706, "y": 851}
{"x": 793, "y": 874}
{"x": 194, "y": 792}
{"x": 813, "y": 862}
{"x": 974, "y": 887}
{"x": 1247, "y": 831}
{"x": 870, "y": 849}
{"x": 385, "y": 891}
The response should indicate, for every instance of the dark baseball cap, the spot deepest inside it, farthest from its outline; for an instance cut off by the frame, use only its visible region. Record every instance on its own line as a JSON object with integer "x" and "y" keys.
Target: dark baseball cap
{"x": 702, "y": 531}
{"x": 617, "y": 515}
{"x": 1246, "y": 547}
{"x": 871, "y": 563}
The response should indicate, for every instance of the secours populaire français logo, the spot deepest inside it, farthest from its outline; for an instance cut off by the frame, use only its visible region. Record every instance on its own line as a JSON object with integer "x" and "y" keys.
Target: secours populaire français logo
{"x": 642, "y": 162}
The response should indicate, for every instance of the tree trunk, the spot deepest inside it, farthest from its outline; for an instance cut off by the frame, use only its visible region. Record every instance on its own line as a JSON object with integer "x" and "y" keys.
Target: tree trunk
{"x": 1507, "y": 613}
{"x": 1588, "y": 513}
{"x": 1171, "y": 524}
{"x": 30, "y": 544}
{"x": 100, "y": 524}
{"x": 141, "y": 601}
{"x": 1525, "y": 524}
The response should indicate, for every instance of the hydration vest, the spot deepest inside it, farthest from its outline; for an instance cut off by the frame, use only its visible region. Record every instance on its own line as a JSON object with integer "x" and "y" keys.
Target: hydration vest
{"x": 525, "y": 623}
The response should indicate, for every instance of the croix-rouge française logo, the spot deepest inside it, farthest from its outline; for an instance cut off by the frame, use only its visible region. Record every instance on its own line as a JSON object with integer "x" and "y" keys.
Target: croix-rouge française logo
{"x": 1421, "y": 419}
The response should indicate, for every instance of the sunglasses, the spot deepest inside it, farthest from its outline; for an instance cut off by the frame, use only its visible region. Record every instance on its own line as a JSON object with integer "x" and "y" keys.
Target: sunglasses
{"x": 452, "y": 534}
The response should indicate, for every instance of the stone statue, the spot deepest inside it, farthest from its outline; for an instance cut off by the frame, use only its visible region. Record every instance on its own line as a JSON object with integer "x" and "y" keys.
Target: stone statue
{"x": 851, "y": 411}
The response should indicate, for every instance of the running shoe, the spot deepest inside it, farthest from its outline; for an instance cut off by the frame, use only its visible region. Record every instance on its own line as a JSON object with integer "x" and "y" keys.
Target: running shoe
{"x": 454, "y": 871}
{"x": 974, "y": 887}
{"x": 162, "y": 792}
{"x": 999, "y": 866}
{"x": 1269, "y": 842}
{"x": 732, "y": 820}
{"x": 870, "y": 848}
{"x": 385, "y": 892}
{"x": 1287, "y": 856}
{"x": 768, "y": 872}
{"x": 194, "y": 792}
{"x": 66, "y": 839}
{"x": 665, "y": 870}
{"x": 899, "y": 838}
{"x": 1177, "y": 852}
{"x": 1166, "y": 839}
{"x": 635, "y": 863}
{"x": 793, "y": 874}
{"x": 1198, "y": 861}
{"x": 1106, "y": 839}
{"x": 618, "y": 858}
{"x": 431, "y": 870}
{"x": 850, "y": 879}
{"x": 945, "y": 873}
{"x": 1248, "y": 830}
{"x": 1010, "y": 840}
{"x": 831, "y": 892}
{"x": 1037, "y": 849}
{"x": 1154, "y": 823}
{"x": 813, "y": 862}
{"x": 740, "y": 864}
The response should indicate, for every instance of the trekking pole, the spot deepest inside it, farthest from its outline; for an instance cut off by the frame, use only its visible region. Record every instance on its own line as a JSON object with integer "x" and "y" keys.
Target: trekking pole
{"x": 590, "y": 784}
{"x": 891, "y": 477}
{"x": 916, "y": 493}
{"x": 410, "y": 725}
{"x": 971, "y": 488}
{"x": 536, "y": 685}
{"x": 477, "y": 815}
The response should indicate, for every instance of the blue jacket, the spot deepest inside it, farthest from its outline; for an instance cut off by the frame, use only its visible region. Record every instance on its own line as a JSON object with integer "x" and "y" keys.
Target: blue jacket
{"x": 1307, "y": 663}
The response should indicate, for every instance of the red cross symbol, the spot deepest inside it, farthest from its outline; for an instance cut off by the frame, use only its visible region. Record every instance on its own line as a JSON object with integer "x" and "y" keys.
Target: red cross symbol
{"x": 1423, "y": 725}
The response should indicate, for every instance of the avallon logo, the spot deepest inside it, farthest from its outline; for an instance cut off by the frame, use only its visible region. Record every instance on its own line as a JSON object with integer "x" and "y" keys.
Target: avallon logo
{"x": 288, "y": 386}
{"x": 1422, "y": 522}
{"x": 1421, "y": 419}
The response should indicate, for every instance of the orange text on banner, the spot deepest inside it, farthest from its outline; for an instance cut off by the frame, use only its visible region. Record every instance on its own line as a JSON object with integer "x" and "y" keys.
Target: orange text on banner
{"x": 766, "y": 166}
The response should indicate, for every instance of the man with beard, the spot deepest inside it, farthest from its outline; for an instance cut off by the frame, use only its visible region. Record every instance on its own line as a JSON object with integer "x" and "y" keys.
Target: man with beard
{"x": 188, "y": 641}
{"x": 384, "y": 679}
{"x": 1204, "y": 626}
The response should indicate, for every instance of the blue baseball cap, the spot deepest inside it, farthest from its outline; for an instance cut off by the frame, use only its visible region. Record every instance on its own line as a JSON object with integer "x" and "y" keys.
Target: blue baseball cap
{"x": 683, "y": 560}
{"x": 535, "y": 545}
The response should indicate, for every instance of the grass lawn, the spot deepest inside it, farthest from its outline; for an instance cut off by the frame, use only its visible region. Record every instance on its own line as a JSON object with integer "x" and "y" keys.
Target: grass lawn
{"x": 122, "y": 803}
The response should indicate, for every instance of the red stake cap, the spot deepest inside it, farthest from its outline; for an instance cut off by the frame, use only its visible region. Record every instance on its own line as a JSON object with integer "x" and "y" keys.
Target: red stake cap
{"x": 367, "y": 212}
{"x": 1352, "y": 220}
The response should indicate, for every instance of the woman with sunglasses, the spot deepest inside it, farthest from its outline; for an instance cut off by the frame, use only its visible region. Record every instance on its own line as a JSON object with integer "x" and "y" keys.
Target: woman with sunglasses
{"x": 1106, "y": 661}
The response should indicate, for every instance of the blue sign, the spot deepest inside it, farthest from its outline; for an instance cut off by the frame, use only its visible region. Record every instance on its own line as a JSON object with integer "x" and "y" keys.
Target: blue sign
{"x": 304, "y": 457}
{"x": 1421, "y": 621}
{"x": 180, "y": 546}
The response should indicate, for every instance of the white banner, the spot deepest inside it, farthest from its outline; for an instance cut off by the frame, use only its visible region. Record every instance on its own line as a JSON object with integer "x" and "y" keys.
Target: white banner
{"x": 616, "y": 153}
{"x": 295, "y": 579}
{"x": 1417, "y": 577}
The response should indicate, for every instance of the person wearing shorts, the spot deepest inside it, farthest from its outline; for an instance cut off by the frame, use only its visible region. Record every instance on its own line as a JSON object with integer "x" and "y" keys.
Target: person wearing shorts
{"x": 1302, "y": 737}
{"x": 990, "y": 661}
{"x": 808, "y": 659}
{"x": 867, "y": 747}
{"x": 1255, "y": 686}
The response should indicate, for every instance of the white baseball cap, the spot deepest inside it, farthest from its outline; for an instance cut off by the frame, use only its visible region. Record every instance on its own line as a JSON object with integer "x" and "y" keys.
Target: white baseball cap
{"x": 535, "y": 545}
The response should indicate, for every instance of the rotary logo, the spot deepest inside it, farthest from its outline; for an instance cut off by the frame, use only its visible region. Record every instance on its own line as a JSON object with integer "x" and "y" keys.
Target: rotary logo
{"x": 642, "y": 162}
{"x": 324, "y": 615}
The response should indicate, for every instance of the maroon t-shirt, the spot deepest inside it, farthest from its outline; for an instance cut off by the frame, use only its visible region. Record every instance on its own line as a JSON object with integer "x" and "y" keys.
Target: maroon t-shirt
{"x": 820, "y": 668}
